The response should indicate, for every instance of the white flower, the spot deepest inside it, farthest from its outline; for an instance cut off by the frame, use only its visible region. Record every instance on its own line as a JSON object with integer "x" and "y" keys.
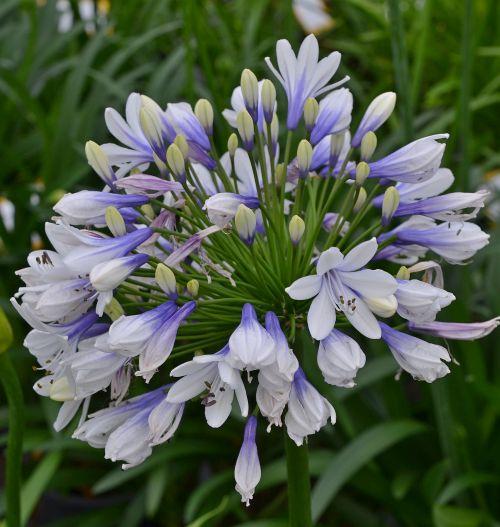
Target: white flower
{"x": 341, "y": 284}
{"x": 247, "y": 469}
{"x": 419, "y": 358}
{"x": 250, "y": 345}
{"x": 419, "y": 301}
{"x": 213, "y": 375}
{"x": 308, "y": 410}
{"x": 339, "y": 359}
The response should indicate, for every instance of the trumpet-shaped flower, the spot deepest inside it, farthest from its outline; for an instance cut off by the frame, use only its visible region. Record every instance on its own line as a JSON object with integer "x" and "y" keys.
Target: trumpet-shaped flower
{"x": 247, "y": 469}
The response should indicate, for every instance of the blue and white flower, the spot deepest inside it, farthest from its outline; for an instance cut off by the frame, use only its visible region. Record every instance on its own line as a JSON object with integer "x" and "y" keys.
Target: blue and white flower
{"x": 247, "y": 469}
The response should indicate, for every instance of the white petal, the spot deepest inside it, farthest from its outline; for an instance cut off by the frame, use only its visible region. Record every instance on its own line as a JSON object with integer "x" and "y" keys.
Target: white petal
{"x": 370, "y": 283}
{"x": 359, "y": 256}
{"x": 329, "y": 259}
{"x": 305, "y": 287}
{"x": 321, "y": 316}
{"x": 364, "y": 320}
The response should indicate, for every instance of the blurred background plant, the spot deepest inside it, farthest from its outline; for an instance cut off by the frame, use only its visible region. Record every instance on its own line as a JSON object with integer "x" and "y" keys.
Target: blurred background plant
{"x": 402, "y": 453}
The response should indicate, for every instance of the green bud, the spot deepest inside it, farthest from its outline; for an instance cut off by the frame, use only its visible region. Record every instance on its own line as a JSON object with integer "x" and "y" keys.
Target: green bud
{"x": 280, "y": 174}
{"x": 360, "y": 201}
{"x": 296, "y": 228}
{"x": 403, "y": 273}
{"x": 205, "y": 114}
{"x": 114, "y": 310}
{"x": 250, "y": 91}
{"x": 275, "y": 128}
{"x": 165, "y": 279}
{"x": 232, "y": 144}
{"x": 6, "y": 334}
{"x": 362, "y": 172}
{"x": 148, "y": 211}
{"x": 244, "y": 123}
{"x": 389, "y": 205}
{"x": 311, "y": 110}
{"x": 368, "y": 145}
{"x": 268, "y": 96}
{"x": 245, "y": 222}
{"x": 304, "y": 156}
{"x": 181, "y": 142}
{"x": 193, "y": 287}
{"x": 176, "y": 161}
{"x": 115, "y": 221}
{"x": 98, "y": 160}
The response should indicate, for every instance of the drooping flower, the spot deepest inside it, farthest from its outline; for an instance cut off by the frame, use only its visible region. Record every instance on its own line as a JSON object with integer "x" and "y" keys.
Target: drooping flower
{"x": 456, "y": 330}
{"x": 247, "y": 469}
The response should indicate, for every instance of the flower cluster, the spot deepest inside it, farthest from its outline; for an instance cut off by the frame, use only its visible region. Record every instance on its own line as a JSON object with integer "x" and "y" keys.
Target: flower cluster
{"x": 232, "y": 260}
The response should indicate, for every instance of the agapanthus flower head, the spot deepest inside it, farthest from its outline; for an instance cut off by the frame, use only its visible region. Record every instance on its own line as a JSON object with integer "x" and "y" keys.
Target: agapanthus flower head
{"x": 214, "y": 275}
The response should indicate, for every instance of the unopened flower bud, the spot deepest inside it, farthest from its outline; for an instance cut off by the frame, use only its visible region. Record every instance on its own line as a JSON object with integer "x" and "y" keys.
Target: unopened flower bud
{"x": 181, "y": 142}
{"x": 114, "y": 310}
{"x": 275, "y": 128}
{"x": 148, "y": 211}
{"x": 250, "y": 91}
{"x": 176, "y": 161}
{"x": 336, "y": 145}
{"x": 150, "y": 126}
{"x": 280, "y": 174}
{"x": 232, "y": 144}
{"x": 61, "y": 390}
{"x": 245, "y": 222}
{"x": 375, "y": 116}
{"x": 368, "y": 145}
{"x": 403, "y": 273}
{"x": 360, "y": 201}
{"x": 383, "y": 307}
{"x": 362, "y": 172}
{"x": 389, "y": 205}
{"x": 244, "y": 124}
{"x": 296, "y": 228}
{"x": 99, "y": 161}
{"x": 192, "y": 288}
{"x": 304, "y": 156}
{"x": 205, "y": 114}
{"x": 268, "y": 95}
{"x": 165, "y": 279}
{"x": 311, "y": 110}
{"x": 115, "y": 221}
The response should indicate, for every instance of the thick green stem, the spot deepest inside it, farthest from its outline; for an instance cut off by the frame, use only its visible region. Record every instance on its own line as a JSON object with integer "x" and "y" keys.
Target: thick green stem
{"x": 299, "y": 484}
{"x": 14, "y": 396}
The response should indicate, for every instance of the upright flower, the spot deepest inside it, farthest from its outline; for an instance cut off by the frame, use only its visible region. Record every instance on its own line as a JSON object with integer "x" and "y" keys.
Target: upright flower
{"x": 341, "y": 284}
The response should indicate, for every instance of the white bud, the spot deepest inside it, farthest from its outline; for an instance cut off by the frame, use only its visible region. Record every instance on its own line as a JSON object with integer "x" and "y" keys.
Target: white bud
{"x": 61, "y": 390}
{"x": 181, "y": 142}
{"x": 304, "y": 157}
{"x": 383, "y": 307}
{"x": 176, "y": 161}
{"x": 150, "y": 125}
{"x": 192, "y": 287}
{"x": 165, "y": 279}
{"x": 250, "y": 90}
{"x": 114, "y": 310}
{"x": 244, "y": 123}
{"x": 99, "y": 161}
{"x": 232, "y": 144}
{"x": 205, "y": 114}
{"x": 245, "y": 222}
{"x": 362, "y": 172}
{"x": 268, "y": 96}
{"x": 403, "y": 273}
{"x": 311, "y": 110}
{"x": 296, "y": 228}
{"x": 360, "y": 201}
{"x": 115, "y": 221}
{"x": 389, "y": 205}
{"x": 375, "y": 116}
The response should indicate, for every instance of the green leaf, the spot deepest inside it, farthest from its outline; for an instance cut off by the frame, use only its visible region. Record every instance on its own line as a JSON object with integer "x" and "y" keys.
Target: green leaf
{"x": 37, "y": 483}
{"x": 457, "y": 517}
{"x": 464, "y": 482}
{"x": 155, "y": 488}
{"x": 355, "y": 455}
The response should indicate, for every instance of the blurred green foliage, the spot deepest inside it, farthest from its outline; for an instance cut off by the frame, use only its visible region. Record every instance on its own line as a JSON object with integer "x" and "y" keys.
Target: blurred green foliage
{"x": 403, "y": 453}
